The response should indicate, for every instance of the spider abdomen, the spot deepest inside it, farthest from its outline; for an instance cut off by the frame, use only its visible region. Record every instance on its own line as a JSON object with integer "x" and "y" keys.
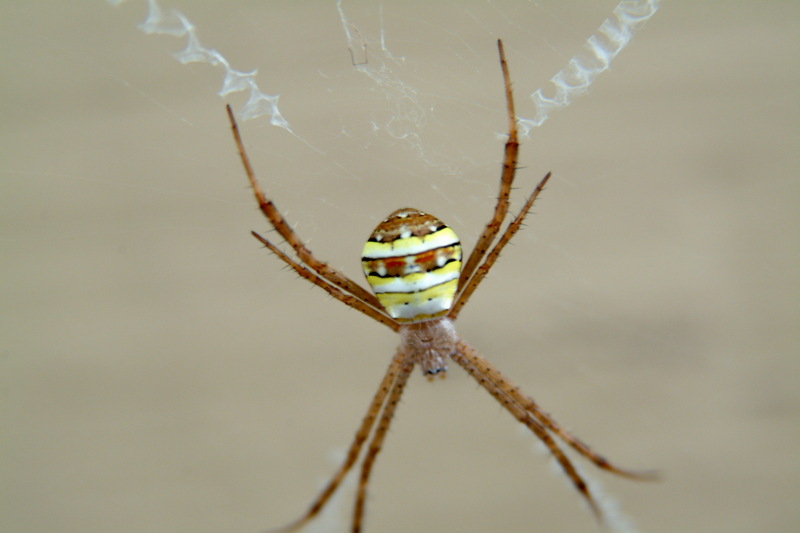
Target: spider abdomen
{"x": 412, "y": 262}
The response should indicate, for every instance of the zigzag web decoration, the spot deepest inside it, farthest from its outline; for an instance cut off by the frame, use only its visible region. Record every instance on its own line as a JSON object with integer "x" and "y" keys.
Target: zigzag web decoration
{"x": 573, "y": 80}
{"x": 176, "y": 24}
{"x": 599, "y": 50}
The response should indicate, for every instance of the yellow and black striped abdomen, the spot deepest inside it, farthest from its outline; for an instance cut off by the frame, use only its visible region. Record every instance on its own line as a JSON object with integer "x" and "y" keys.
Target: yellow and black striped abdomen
{"x": 412, "y": 261}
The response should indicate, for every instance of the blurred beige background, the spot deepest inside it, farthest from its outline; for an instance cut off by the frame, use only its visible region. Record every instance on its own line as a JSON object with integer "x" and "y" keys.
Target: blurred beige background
{"x": 161, "y": 372}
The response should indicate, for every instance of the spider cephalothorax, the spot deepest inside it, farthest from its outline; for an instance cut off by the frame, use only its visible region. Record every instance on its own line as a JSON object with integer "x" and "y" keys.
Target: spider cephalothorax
{"x": 413, "y": 263}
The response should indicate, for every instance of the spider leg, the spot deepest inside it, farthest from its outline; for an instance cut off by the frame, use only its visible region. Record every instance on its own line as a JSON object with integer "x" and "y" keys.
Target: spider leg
{"x": 275, "y": 218}
{"x": 322, "y": 283}
{"x": 377, "y": 441}
{"x": 510, "y": 231}
{"x": 506, "y": 179}
{"x": 397, "y": 366}
{"x": 468, "y": 358}
{"x": 533, "y": 408}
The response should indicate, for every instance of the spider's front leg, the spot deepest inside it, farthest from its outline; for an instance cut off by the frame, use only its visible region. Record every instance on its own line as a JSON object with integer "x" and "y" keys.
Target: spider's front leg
{"x": 377, "y": 441}
{"x": 397, "y": 368}
{"x": 501, "y": 390}
{"x": 524, "y": 409}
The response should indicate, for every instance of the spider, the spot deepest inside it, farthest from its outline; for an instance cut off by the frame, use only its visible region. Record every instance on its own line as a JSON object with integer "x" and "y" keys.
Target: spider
{"x": 413, "y": 263}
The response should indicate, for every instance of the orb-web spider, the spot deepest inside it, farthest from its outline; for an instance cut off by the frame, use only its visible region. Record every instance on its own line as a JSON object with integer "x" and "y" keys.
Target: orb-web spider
{"x": 413, "y": 263}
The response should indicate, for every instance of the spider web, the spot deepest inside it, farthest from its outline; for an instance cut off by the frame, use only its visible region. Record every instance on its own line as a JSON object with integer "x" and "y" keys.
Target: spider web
{"x": 402, "y": 87}
{"x": 147, "y": 335}
{"x": 394, "y": 100}
{"x": 409, "y": 115}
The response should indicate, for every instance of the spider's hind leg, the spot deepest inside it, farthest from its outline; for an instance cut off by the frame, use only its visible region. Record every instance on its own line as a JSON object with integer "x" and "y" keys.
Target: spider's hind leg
{"x": 492, "y": 227}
